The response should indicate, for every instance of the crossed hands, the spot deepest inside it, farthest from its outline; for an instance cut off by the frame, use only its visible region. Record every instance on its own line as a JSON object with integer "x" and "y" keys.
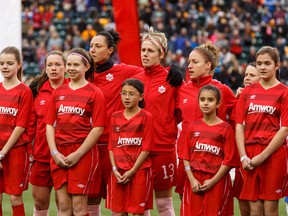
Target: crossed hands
{"x": 68, "y": 161}
{"x": 125, "y": 178}
{"x": 206, "y": 186}
{"x": 250, "y": 164}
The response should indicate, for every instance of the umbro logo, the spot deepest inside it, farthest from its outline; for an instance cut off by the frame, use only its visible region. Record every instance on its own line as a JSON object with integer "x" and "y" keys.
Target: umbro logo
{"x": 61, "y": 98}
{"x": 80, "y": 186}
{"x": 196, "y": 134}
{"x": 252, "y": 97}
{"x": 42, "y": 102}
{"x": 185, "y": 101}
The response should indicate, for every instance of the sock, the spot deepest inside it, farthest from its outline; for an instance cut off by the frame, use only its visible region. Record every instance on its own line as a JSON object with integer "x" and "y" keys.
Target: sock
{"x": 287, "y": 208}
{"x": 40, "y": 212}
{"x": 147, "y": 213}
{"x": 0, "y": 209}
{"x": 94, "y": 210}
{"x": 18, "y": 210}
{"x": 165, "y": 206}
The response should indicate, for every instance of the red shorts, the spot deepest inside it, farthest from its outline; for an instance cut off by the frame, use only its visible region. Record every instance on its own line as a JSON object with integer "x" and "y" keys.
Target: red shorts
{"x": 79, "y": 177}
{"x": 15, "y": 173}
{"x": 181, "y": 177}
{"x": 238, "y": 183}
{"x": 134, "y": 197}
{"x": 102, "y": 175}
{"x": 40, "y": 174}
{"x": 164, "y": 167}
{"x": 217, "y": 201}
{"x": 269, "y": 180}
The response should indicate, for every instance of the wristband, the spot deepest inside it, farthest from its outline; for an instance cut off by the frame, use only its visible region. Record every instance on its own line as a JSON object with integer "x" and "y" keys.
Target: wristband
{"x": 187, "y": 168}
{"x": 243, "y": 158}
{"x": 1, "y": 156}
{"x": 54, "y": 153}
{"x": 114, "y": 168}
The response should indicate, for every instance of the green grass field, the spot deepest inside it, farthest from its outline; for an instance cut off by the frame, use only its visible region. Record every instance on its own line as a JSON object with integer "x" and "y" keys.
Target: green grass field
{"x": 28, "y": 202}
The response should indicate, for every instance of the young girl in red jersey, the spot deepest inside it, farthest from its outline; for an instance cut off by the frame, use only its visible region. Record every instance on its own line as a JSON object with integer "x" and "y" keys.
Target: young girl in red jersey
{"x": 131, "y": 140}
{"x": 75, "y": 121}
{"x": 251, "y": 76}
{"x": 209, "y": 152}
{"x": 202, "y": 62}
{"x": 261, "y": 129}
{"x": 42, "y": 87}
{"x": 15, "y": 105}
{"x": 108, "y": 77}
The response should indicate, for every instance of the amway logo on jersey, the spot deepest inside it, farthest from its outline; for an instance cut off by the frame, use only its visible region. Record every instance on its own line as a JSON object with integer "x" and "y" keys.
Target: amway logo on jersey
{"x": 261, "y": 108}
{"x": 70, "y": 109}
{"x": 207, "y": 147}
{"x": 8, "y": 110}
{"x": 129, "y": 141}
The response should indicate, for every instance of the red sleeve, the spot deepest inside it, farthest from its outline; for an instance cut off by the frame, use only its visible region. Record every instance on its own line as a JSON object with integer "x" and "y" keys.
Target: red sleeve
{"x": 230, "y": 150}
{"x": 284, "y": 110}
{"x": 24, "y": 110}
{"x": 32, "y": 124}
{"x": 51, "y": 112}
{"x": 99, "y": 110}
{"x": 148, "y": 140}
{"x": 185, "y": 150}
{"x": 110, "y": 146}
{"x": 240, "y": 109}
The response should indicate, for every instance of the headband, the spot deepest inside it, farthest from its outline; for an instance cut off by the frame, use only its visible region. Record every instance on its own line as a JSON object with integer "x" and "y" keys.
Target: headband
{"x": 155, "y": 42}
{"x": 78, "y": 54}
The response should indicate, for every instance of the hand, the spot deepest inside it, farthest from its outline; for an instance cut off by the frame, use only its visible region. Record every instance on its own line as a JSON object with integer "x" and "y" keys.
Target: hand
{"x": 72, "y": 159}
{"x": 238, "y": 92}
{"x": 174, "y": 77}
{"x": 127, "y": 176}
{"x": 118, "y": 176}
{"x": 195, "y": 185}
{"x": 207, "y": 185}
{"x": 256, "y": 161}
{"x": 246, "y": 164}
{"x": 59, "y": 160}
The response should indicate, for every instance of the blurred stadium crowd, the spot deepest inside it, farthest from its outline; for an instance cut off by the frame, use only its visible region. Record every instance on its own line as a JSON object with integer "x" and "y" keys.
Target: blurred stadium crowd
{"x": 238, "y": 27}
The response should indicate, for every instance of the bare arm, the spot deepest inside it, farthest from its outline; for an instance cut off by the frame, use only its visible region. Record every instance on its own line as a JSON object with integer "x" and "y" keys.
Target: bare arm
{"x": 274, "y": 144}
{"x": 129, "y": 174}
{"x": 240, "y": 140}
{"x": 88, "y": 143}
{"x": 195, "y": 184}
{"x": 17, "y": 132}
{"x": 209, "y": 183}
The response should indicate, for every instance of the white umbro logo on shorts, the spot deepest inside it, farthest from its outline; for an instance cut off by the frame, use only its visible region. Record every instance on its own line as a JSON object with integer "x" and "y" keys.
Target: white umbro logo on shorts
{"x": 80, "y": 185}
{"x": 142, "y": 204}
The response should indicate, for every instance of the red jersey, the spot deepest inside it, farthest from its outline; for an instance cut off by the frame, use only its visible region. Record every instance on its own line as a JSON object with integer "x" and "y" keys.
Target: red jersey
{"x": 110, "y": 84}
{"x": 189, "y": 105}
{"x": 129, "y": 137}
{"x": 75, "y": 112}
{"x": 37, "y": 126}
{"x": 263, "y": 112}
{"x": 15, "y": 107}
{"x": 207, "y": 147}
{"x": 161, "y": 101}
